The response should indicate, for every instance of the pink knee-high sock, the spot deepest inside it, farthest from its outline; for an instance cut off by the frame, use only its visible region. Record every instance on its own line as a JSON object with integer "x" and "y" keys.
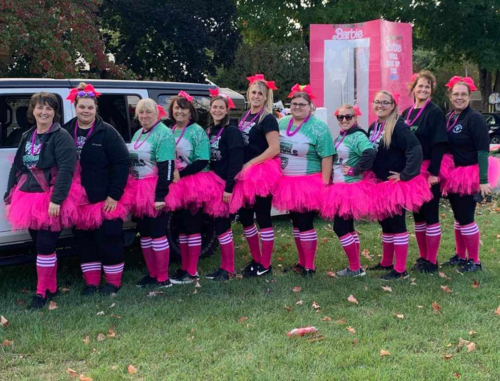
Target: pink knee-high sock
{"x": 267, "y": 238}
{"x": 149, "y": 256}
{"x": 300, "y": 250}
{"x": 252, "y": 236}
{"x": 349, "y": 245}
{"x": 470, "y": 235}
{"x": 161, "y": 253}
{"x": 183, "y": 243}
{"x": 401, "y": 241}
{"x": 46, "y": 270}
{"x": 460, "y": 247}
{"x": 227, "y": 251}
{"x": 113, "y": 274}
{"x": 194, "y": 245}
{"x": 356, "y": 241}
{"x": 433, "y": 236}
{"x": 309, "y": 242}
{"x": 420, "y": 230}
{"x": 91, "y": 273}
{"x": 387, "y": 249}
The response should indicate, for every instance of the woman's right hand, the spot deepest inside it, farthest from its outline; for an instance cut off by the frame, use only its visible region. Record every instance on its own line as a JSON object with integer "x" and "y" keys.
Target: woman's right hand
{"x": 177, "y": 176}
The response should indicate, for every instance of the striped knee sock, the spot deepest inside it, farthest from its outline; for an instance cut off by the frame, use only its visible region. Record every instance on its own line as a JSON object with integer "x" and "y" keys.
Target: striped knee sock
{"x": 161, "y": 251}
{"x": 349, "y": 245}
{"x": 460, "y": 248}
{"x": 401, "y": 241}
{"x": 113, "y": 274}
{"x": 267, "y": 238}
{"x": 387, "y": 249}
{"x": 252, "y": 236}
{"x": 149, "y": 256}
{"x": 433, "y": 235}
{"x": 309, "y": 241}
{"x": 227, "y": 251}
{"x": 420, "y": 234}
{"x": 300, "y": 250}
{"x": 194, "y": 245}
{"x": 183, "y": 243}
{"x": 470, "y": 235}
{"x": 46, "y": 270}
{"x": 91, "y": 273}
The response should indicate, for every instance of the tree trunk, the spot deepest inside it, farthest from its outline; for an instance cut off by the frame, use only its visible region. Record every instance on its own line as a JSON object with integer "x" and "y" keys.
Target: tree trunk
{"x": 496, "y": 86}
{"x": 485, "y": 86}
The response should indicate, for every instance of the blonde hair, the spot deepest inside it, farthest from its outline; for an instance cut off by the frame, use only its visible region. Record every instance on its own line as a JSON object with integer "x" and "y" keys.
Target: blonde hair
{"x": 268, "y": 106}
{"x": 348, "y": 106}
{"x": 390, "y": 122}
{"x": 146, "y": 104}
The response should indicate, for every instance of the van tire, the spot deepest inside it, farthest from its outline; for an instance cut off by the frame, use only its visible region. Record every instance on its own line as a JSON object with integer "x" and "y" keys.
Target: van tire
{"x": 209, "y": 241}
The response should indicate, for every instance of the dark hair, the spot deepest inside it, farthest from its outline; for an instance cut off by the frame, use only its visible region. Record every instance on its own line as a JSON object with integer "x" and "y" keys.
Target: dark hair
{"x": 43, "y": 98}
{"x": 428, "y": 76}
{"x": 225, "y": 121}
{"x": 81, "y": 87}
{"x": 183, "y": 103}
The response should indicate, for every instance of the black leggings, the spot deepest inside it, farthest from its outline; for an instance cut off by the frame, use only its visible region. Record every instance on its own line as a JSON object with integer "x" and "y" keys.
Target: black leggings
{"x": 222, "y": 225}
{"x": 45, "y": 240}
{"x": 104, "y": 244}
{"x": 429, "y": 212}
{"x": 463, "y": 208}
{"x": 394, "y": 225}
{"x": 341, "y": 226}
{"x": 189, "y": 222}
{"x": 154, "y": 227}
{"x": 262, "y": 210}
{"x": 303, "y": 221}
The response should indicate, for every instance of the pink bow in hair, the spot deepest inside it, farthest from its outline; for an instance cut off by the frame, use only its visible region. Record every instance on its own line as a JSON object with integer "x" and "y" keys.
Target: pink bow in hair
{"x": 413, "y": 77}
{"x": 161, "y": 112}
{"x": 260, "y": 78}
{"x": 301, "y": 88}
{"x": 467, "y": 80}
{"x": 88, "y": 91}
{"x": 396, "y": 96}
{"x": 356, "y": 109}
{"x": 215, "y": 93}
{"x": 183, "y": 94}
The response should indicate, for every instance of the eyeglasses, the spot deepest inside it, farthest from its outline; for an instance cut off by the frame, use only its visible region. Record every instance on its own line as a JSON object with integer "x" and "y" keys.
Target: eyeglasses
{"x": 299, "y": 105}
{"x": 347, "y": 117}
{"x": 382, "y": 103}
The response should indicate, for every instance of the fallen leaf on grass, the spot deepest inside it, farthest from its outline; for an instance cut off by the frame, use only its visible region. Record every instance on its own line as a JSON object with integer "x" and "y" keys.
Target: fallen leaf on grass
{"x": 444, "y": 276}
{"x": 114, "y": 367}
{"x": 86, "y": 341}
{"x": 326, "y": 318}
{"x": 115, "y": 316}
{"x": 64, "y": 290}
{"x": 352, "y": 299}
{"x": 53, "y": 305}
{"x": 331, "y": 274}
{"x": 289, "y": 309}
{"x": 384, "y": 353}
{"x": 471, "y": 333}
{"x": 20, "y": 302}
{"x": 100, "y": 313}
{"x": 420, "y": 307}
{"x": 7, "y": 343}
{"x": 341, "y": 322}
{"x": 399, "y": 316}
{"x": 462, "y": 342}
{"x": 457, "y": 375}
{"x": 132, "y": 369}
{"x": 5, "y": 323}
{"x": 316, "y": 306}
{"x": 354, "y": 342}
{"x": 446, "y": 289}
{"x": 497, "y": 311}
{"x": 351, "y": 330}
{"x": 197, "y": 285}
{"x": 242, "y": 319}
{"x": 297, "y": 289}
{"x": 300, "y": 302}
{"x": 448, "y": 357}
{"x": 112, "y": 305}
{"x": 436, "y": 307}
{"x": 84, "y": 378}
{"x": 101, "y": 337}
{"x": 387, "y": 288}
{"x": 471, "y": 347}
{"x": 324, "y": 240}
{"x": 154, "y": 293}
{"x": 476, "y": 284}
{"x": 71, "y": 372}
{"x": 111, "y": 334}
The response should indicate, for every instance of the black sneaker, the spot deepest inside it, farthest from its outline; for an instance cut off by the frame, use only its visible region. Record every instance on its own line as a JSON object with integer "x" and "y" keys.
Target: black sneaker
{"x": 37, "y": 302}
{"x": 455, "y": 261}
{"x": 419, "y": 262}
{"x": 261, "y": 270}
{"x": 164, "y": 284}
{"x": 349, "y": 273}
{"x": 379, "y": 267}
{"x": 178, "y": 273}
{"x": 307, "y": 272}
{"x": 394, "y": 275}
{"x": 185, "y": 278}
{"x": 215, "y": 274}
{"x": 108, "y": 289}
{"x": 250, "y": 269}
{"x": 470, "y": 267}
{"x": 222, "y": 276}
{"x": 89, "y": 290}
{"x": 296, "y": 268}
{"x": 147, "y": 281}
{"x": 428, "y": 267}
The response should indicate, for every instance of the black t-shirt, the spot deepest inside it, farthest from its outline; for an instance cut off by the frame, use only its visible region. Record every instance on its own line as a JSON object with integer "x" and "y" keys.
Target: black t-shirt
{"x": 254, "y": 135}
{"x": 468, "y": 136}
{"x": 81, "y": 138}
{"x": 227, "y": 152}
{"x": 30, "y": 160}
{"x": 404, "y": 155}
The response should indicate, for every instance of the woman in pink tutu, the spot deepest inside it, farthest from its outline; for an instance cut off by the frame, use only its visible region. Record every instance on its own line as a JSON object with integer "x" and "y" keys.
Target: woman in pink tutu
{"x": 349, "y": 196}
{"x": 37, "y": 192}
{"x": 474, "y": 173}
{"x": 152, "y": 151}
{"x": 427, "y": 122}
{"x": 259, "y": 176}
{"x": 103, "y": 168}
{"x": 306, "y": 151}
{"x": 194, "y": 185}
{"x": 226, "y": 161}
{"x": 400, "y": 187}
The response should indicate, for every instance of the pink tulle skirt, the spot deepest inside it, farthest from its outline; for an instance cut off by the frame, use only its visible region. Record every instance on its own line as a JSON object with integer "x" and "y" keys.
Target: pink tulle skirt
{"x": 444, "y": 171}
{"x": 142, "y": 192}
{"x": 465, "y": 180}
{"x": 349, "y": 200}
{"x": 257, "y": 180}
{"x": 299, "y": 193}
{"x": 194, "y": 191}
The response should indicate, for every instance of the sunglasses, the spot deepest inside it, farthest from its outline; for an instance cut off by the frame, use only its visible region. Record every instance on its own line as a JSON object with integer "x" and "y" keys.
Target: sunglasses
{"x": 347, "y": 117}
{"x": 89, "y": 94}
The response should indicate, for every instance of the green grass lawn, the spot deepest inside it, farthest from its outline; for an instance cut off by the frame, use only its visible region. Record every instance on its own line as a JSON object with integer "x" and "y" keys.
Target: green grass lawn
{"x": 237, "y": 330}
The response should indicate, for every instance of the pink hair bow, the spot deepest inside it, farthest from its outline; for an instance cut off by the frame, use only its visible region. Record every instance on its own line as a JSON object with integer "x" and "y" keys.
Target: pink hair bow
{"x": 88, "y": 91}
{"x": 301, "y": 88}
{"x": 356, "y": 109}
{"x": 396, "y": 96}
{"x": 215, "y": 93}
{"x": 413, "y": 77}
{"x": 467, "y": 80}
{"x": 260, "y": 78}
{"x": 161, "y": 112}
{"x": 183, "y": 94}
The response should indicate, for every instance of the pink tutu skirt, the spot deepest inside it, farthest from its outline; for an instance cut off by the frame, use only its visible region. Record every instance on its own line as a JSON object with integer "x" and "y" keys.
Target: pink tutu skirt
{"x": 349, "y": 200}
{"x": 142, "y": 192}
{"x": 194, "y": 191}
{"x": 299, "y": 193}
{"x": 217, "y": 207}
{"x": 465, "y": 180}
{"x": 444, "y": 171}
{"x": 257, "y": 180}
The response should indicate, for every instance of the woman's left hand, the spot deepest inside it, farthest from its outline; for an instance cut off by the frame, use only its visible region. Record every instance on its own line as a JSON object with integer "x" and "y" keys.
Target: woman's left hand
{"x": 395, "y": 176}
{"x": 226, "y": 197}
{"x": 433, "y": 180}
{"x": 485, "y": 189}
{"x": 159, "y": 205}
{"x": 54, "y": 209}
{"x": 246, "y": 165}
{"x": 345, "y": 169}
{"x": 110, "y": 205}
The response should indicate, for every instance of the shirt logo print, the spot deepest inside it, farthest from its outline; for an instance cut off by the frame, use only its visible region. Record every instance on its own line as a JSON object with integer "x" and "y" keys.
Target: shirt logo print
{"x": 457, "y": 129}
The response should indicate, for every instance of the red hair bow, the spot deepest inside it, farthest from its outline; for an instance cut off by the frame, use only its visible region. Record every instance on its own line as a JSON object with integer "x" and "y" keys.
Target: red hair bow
{"x": 467, "y": 80}
{"x": 161, "y": 112}
{"x": 301, "y": 88}
{"x": 215, "y": 93}
{"x": 356, "y": 109}
{"x": 183, "y": 94}
{"x": 260, "y": 78}
{"x": 88, "y": 91}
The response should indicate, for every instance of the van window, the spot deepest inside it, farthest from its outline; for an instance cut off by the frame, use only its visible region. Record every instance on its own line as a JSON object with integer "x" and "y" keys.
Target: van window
{"x": 202, "y": 105}
{"x": 119, "y": 111}
{"x": 14, "y": 119}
